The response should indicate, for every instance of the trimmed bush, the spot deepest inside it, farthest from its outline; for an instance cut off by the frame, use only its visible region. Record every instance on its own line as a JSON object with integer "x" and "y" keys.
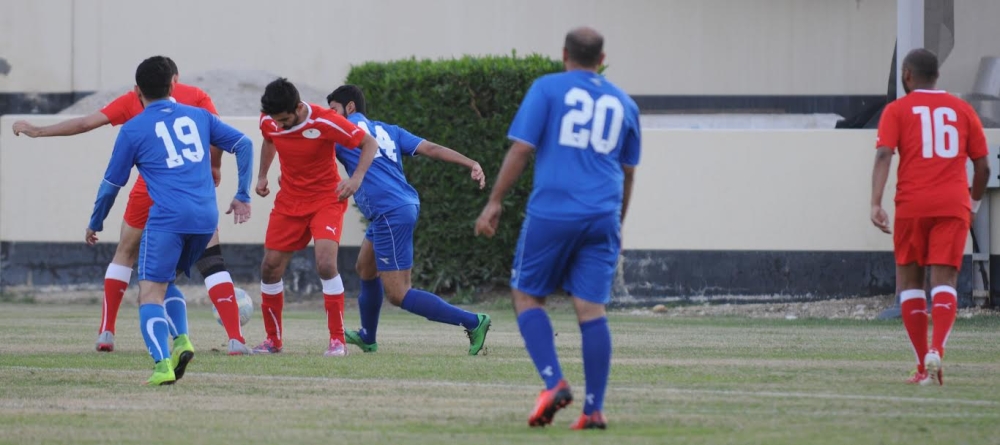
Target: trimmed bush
{"x": 467, "y": 105}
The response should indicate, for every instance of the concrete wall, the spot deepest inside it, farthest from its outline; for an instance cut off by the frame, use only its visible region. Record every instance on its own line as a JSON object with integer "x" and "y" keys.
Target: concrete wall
{"x": 661, "y": 47}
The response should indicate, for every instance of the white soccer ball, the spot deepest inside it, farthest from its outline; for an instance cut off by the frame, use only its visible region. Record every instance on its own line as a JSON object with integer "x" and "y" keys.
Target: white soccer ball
{"x": 246, "y": 307}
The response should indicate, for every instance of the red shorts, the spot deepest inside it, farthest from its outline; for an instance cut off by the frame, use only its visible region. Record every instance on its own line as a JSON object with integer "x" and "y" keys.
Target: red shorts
{"x": 936, "y": 240}
{"x": 139, "y": 202}
{"x": 291, "y": 231}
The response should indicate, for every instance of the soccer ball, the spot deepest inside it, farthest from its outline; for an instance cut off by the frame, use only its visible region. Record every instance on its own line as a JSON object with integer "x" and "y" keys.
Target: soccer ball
{"x": 245, "y": 304}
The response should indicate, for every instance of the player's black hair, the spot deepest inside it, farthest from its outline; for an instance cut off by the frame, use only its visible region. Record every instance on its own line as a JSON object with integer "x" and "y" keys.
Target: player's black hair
{"x": 345, "y": 94}
{"x": 153, "y": 76}
{"x": 923, "y": 63}
{"x": 280, "y": 96}
{"x": 173, "y": 66}
{"x": 584, "y": 46}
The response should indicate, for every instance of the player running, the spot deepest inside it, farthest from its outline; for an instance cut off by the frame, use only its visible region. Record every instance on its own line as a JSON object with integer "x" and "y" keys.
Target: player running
{"x": 211, "y": 264}
{"x": 585, "y": 134}
{"x": 310, "y": 204}
{"x": 167, "y": 141}
{"x": 392, "y": 206}
{"x": 935, "y": 133}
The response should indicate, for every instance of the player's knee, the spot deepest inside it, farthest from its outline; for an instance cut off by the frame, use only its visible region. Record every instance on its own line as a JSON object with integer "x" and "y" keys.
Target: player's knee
{"x": 326, "y": 269}
{"x": 126, "y": 254}
{"x": 270, "y": 270}
{"x": 366, "y": 271}
{"x": 395, "y": 295}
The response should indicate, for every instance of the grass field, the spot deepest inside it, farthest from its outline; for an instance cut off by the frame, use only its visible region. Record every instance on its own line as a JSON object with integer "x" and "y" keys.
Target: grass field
{"x": 674, "y": 380}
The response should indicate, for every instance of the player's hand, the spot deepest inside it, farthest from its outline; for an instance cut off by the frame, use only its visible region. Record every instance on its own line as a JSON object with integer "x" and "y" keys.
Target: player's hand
{"x": 217, "y": 176}
{"x": 478, "y": 175}
{"x": 880, "y": 219}
{"x": 26, "y": 128}
{"x": 347, "y": 188}
{"x": 91, "y": 237}
{"x": 240, "y": 211}
{"x": 262, "y": 189}
{"x": 488, "y": 220}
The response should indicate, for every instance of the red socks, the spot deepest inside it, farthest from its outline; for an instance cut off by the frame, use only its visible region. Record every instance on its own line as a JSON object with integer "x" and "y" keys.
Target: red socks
{"x": 115, "y": 284}
{"x": 913, "y": 305}
{"x": 223, "y": 295}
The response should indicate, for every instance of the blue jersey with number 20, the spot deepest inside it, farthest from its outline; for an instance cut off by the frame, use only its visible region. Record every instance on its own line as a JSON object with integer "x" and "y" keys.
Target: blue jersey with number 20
{"x": 583, "y": 129}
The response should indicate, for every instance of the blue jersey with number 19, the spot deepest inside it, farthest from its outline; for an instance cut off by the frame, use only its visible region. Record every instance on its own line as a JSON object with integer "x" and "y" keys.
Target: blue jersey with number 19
{"x": 385, "y": 187}
{"x": 583, "y": 129}
{"x": 169, "y": 143}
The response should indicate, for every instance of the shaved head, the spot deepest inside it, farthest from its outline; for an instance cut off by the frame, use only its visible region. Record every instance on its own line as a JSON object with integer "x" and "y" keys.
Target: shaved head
{"x": 923, "y": 65}
{"x": 584, "y": 46}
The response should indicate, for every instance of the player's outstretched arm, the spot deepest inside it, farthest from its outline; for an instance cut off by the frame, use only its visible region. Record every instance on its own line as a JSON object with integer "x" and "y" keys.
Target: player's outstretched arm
{"x": 67, "y": 127}
{"x": 442, "y": 153}
{"x": 240, "y": 207}
{"x": 513, "y": 165}
{"x": 267, "y": 151}
{"x": 880, "y": 175}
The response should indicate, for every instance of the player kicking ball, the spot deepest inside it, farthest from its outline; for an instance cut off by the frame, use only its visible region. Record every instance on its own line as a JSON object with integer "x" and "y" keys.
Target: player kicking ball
{"x": 392, "y": 206}
{"x": 167, "y": 142}
{"x": 310, "y": 203}
{"x": 584, "y": 132}
{"x": 935, "y": 134}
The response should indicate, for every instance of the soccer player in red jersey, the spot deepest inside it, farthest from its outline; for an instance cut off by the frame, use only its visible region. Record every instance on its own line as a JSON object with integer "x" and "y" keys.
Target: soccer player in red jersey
{"x": 310, "y": 203}
{"x": 935, "y": 134}
{"x": 211, "y": 265}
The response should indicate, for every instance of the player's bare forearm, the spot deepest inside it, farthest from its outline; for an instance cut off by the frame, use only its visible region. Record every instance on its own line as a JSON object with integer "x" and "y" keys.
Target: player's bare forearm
{"x": 442, "y": 153}
{"x": 980, "y": 176}
{"x": 627, "y": 195}
{"x": 368, "y": 149}
{"x": 73, "y": 126}
{"x": 266, "y": 158}
{"x": 513, "y": 165}
{"x": 880, "y": 174}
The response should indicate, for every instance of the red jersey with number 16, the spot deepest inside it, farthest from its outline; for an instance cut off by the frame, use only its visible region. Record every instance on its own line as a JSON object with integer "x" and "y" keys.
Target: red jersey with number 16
{"x": 936, "y": 134}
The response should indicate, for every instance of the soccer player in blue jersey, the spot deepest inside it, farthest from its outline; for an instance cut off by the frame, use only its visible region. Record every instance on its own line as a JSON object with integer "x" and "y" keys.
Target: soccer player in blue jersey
{"x": 392, "y": 206}
{"x": 168, "y": 142}
{"x": 584, "y": 132}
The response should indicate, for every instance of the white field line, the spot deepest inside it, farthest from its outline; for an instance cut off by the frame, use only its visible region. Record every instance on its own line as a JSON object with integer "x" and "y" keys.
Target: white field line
{"x": 530, "y": 388}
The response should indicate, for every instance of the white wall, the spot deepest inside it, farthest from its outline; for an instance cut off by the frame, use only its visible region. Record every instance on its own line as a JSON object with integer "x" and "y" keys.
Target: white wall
{"x": 977, "y": 34}
{"x": 711, "y": 47}
{"x": 695, "y": 189}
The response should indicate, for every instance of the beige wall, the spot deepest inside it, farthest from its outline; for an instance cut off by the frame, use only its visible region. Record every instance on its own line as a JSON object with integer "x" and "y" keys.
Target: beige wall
{"x": 654, "y": 46}
{"x": 48, "y": 186}
{"x": 977, "y": 34}
{"x": 695, "y": 189}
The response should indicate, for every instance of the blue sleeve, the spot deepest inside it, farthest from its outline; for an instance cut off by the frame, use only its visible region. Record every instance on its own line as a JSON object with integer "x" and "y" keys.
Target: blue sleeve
{"x": 244, "y": 165}
{"x": 632, "y": 146}
{"x": 407, "y": 142}
{"x": 223, "y": 135}
{"x": 116, "y": 176}
{"x": 232, "y": 140}
{"x": 532, "y": 116}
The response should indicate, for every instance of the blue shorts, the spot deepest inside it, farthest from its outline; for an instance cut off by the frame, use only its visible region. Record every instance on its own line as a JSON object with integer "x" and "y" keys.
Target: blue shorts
{"x": 391, "y": 235}
{"x": 162, "y": 254}
{"x": 579, "y": 255}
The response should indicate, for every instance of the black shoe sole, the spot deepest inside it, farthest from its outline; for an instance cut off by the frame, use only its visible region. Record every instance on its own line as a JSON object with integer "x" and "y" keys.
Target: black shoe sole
{"x": 182, "y": 363}
{"x": 562, "y": 399}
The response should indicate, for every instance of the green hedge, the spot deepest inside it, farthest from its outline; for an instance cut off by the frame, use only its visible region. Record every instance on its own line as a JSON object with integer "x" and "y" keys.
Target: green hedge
{"x": 467, "y": 105}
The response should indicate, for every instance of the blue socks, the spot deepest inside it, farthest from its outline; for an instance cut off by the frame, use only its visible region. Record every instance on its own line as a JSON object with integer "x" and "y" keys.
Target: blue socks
{"x": 539, "y": 340}
{"x": 176, "y": 309}
{"x": 153, "y": 325}
{"x": 596, "y": 361}
{"x": 370, "y": 305}
{"x": 433, "y": 308}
